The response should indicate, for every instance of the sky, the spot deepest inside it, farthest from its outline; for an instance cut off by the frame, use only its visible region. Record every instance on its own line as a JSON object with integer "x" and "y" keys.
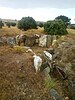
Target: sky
{"x": 40, "y": 10}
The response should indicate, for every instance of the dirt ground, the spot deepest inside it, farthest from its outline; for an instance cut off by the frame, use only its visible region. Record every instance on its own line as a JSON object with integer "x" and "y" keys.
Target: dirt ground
{"x": 18, "y": 80}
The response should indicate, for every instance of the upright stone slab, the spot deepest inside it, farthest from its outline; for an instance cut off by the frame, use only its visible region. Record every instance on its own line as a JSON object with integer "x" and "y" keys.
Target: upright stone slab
{"x": 36, "y": 39}
{"x": 54, "y": 37}
{"x": 20, "y": 39}
{"x": 49, "y": 41}
{"x": 43, "y": 40}
{"x": 30, "y": 41}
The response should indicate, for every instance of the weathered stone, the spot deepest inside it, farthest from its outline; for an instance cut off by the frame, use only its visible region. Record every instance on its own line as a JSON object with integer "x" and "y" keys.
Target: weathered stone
{"x": 11, "y": 41}
{"x": 49, "y": 40}
{"x": 20, "y": 39}
{"x": 43, "y": 40}
{"x": 30, "y": 41}
{"x": 51, "y": 50}
{"x": 55, "y": 95}
{"x": 46, "y": 71}
{"x": 44, "y": 65}
{"x": 71, "y": 88}
{"x": 66, "y": 98}
{"x": 36, "y": 39}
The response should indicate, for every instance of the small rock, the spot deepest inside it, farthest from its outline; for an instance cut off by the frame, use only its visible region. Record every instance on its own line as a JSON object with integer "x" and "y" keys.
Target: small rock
{"x": 66, "y": 98}
{"x": 11, "y": 41}
{"x": 55, "y": 95}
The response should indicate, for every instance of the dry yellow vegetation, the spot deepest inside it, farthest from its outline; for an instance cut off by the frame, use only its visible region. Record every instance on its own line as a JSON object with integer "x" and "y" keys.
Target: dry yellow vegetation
{"x": 18, "y": 80}
{"x": 12, "y": 31}
{"x": 5, "y": 31}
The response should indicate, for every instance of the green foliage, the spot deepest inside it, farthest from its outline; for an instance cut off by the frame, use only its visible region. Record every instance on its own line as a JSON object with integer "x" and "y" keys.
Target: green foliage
{"x": 10, "y": 24}
{"x": 13, "y": 24}
{"x": 55, "y": 27}
{"x": 50, "y": 83}
{"x": 65, "y": 19}
{"x": 27, "y": 23}
{"x": 1, "y": 24}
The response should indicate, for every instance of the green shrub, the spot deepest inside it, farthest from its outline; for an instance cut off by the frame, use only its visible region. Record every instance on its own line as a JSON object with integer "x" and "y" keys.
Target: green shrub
{"x": 9, "y": 24}
{"x": 55, "y": 27}
{"x": 1, "y": 24}
{"x": 27, "y": 23}
{"x": 65, "y": 19}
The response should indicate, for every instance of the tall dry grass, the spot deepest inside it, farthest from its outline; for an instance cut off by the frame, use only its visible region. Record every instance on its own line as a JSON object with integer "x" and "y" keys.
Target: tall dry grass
{"x": 12, "y": 31}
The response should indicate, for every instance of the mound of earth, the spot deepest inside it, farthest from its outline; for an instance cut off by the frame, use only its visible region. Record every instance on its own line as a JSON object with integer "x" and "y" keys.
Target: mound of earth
{"x": 18, "y": 80}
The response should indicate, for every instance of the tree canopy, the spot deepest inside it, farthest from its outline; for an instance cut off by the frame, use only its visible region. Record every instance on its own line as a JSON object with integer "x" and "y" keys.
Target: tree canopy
{"x": 1, "y": 24}
{"x": 10, "y": 24}
{"x": 55, "y": 27}
{"x": 27, "y": 23}
{"x": 65, "y": 19}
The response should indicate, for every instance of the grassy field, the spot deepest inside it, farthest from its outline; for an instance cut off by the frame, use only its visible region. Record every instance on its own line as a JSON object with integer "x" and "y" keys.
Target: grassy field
{"x": 5, "y": 31}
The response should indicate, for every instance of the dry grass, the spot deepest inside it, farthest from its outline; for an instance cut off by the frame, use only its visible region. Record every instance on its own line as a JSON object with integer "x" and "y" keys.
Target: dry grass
{"x": 18, "y": 79}
{"x": 72, "y": 31}
{"x": 12, "y": 31}
{"x": 5, "y": 31}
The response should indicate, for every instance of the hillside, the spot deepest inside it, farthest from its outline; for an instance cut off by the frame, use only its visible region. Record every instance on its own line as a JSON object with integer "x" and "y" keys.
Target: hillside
{"x": 18, "y": 79}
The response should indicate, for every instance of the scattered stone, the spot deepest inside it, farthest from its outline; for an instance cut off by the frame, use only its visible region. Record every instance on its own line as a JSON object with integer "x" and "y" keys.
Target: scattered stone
{"x": 36, "y": 39}
{"x": 20, "y": 39}
{"x": 11, "y": 41}
{"x": 49, "y": 41}
{"x": 66, "y": 98}
{"x": 44, "y": 65}
{"x": 55, "y": 95}
{"x": 71, "y": 87}
{"x": 51, "y": 50}
{"x": 46, "y": 71}
{"x": 30, "y": 41}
